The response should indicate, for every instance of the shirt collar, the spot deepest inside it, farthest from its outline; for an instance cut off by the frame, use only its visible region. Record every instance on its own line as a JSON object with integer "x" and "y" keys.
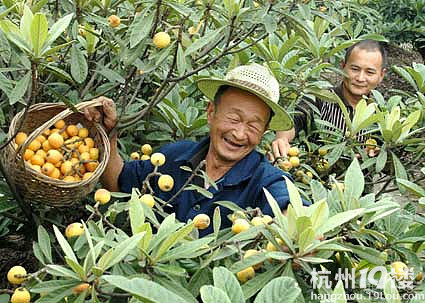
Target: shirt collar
{"x": 238, "y": 173}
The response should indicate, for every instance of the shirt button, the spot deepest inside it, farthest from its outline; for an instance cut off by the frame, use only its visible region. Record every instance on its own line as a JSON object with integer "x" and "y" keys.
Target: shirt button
{"x": 197, "y": 207}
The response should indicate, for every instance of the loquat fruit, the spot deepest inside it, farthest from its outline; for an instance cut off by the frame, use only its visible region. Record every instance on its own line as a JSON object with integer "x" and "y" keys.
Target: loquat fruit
{"x": 201, "y": 221}
{"x": 102, "y": 196}
{"x": 16, "y": 275}
{"x": 165, "y": 182}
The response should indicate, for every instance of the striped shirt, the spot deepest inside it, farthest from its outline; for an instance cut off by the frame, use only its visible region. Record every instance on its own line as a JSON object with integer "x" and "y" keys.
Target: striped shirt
{"x": 325, "y": 116}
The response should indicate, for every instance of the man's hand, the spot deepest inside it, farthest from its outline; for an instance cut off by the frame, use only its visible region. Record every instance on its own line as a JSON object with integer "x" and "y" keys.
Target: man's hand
{"x": 280, "y": 148}
{"x": 106, "y": 115}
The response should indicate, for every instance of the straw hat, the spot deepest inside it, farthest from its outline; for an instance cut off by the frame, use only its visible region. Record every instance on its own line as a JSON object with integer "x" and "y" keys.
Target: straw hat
{"x": 255, "y": 79}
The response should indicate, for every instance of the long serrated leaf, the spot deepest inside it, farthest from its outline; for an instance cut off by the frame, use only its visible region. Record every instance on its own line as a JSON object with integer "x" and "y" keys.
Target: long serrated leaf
{"x": 44, "y": 242}
{"x": 339, "y": 220}
{"x": 137, "y": 215}
{"x": 278, "y": 289}
{"x": 120, "y": 251}
{"x": 353, "y": 182}
{"x": 173, "y": 239}
{"x": 79, "y": 67}
{"x": 75, "y": 266}
{"x": 26, "y": 23}
{"x": 60, "y": 271}
{"x": 216, "y": 221}
{"x": 140, "y": 28}
{"x": 295, "y": 198}
{"x": 390, "y": 290}
{"x": 412, "y": 187}
{"x": 58, "y": 27}
{"x": 185, "y": 250}
{"x": 20, "y": 89}
{"x": 64, "y": 245}
{"x": 144, "y": 289}
{"x": 203, "y": 41}
{"x": 39, "y": 28}
{"x": 226, "y": 281}
{"x": 400, "y": 171}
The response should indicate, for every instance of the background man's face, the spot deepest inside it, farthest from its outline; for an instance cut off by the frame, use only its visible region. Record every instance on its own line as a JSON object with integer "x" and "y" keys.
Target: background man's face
{"x": 364, "y": 72}
{"x": 236, "y": 124}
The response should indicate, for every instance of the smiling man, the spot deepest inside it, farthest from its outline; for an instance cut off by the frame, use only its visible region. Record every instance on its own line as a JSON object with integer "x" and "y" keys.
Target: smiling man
{"x": 364, "y": 67}
{"x": 242, "y": 107}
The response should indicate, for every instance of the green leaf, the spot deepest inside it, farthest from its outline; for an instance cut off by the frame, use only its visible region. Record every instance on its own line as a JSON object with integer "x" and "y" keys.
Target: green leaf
{"x": 370, "y": 254}
{"x": 79, "y": 68}
{"x": 211, "y": 294}
{"x": 26, "y": 24}
{"x": 173, "y": 239}
{"x": 75, "y": 266}
{"x": 338, "y": 295}
{"x": 44, "y": 242}
{"x": 140, "y": 28}
{"x": 390, "y": 290}
{"x": 400, "y": 171}
{"x": 277, "y": 212}
{"x": 412, "y": 187}
{"x": 186, "y": 250}
{"x": 60, "y": 271}
{"x": 53, "y": 285}
{"x": 144, "y": 289}
{"x": 47, "y": 51}
{"x": 318, "y": 191}
{"x": 353, "y": 182}
{"x": 278, "y": 289}
{"x": 181, "y": 60}
{"x": 201, "y": 42}
{"x": 137, "y": 217}
{"x": 381, "y": 160}
{"x": 119, "y": 252}
{"x": 216, "y": 221}
{"x": 336, "y": 153}
{"x": 39, "y": 28}
{"x": 295, "y": 198}
{"x": 306, "y": 238}
{"x": 319, "y": 213}
{"x": 176, "y": 287}
{"x": 226, "y": 281}
{"x": 230, "y": 205}
{"x": 57, "y": 29}
{"x": 247, "y": 262}
{"x": 200, "y": 190}
{"x": 20, "y": 89}
{"x": 64, "y": 245}
{"x": 339, "y": 220}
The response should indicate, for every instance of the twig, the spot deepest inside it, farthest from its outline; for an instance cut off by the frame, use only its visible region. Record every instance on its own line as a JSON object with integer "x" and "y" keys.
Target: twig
{"x": 6, "y": 291}
{"x": 200, "y": 165}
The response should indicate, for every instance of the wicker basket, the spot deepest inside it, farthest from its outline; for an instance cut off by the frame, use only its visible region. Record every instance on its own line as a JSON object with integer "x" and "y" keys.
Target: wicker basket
{"x": 36, "y": 187}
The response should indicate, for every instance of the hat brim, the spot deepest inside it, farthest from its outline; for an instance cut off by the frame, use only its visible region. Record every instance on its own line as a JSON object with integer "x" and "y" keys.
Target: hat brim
{"x": 280, "y": 120}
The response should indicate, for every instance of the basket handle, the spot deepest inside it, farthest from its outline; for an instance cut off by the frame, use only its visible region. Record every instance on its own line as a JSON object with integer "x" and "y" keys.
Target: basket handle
{"x": 80, "y": 107}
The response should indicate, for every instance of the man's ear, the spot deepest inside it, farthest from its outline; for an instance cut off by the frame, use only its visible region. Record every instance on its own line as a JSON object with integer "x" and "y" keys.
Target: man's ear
{"x": 342, "y": 64}
{"x": 210, "y": 111}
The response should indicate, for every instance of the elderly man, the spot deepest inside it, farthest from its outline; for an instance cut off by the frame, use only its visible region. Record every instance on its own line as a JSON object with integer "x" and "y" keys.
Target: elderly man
{"x": 364, "y": 67}
{"x": 242, "y": 107}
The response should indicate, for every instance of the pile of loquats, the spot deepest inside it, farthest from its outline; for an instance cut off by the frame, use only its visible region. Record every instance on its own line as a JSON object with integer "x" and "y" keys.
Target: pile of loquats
{"x": 63, "y": 152}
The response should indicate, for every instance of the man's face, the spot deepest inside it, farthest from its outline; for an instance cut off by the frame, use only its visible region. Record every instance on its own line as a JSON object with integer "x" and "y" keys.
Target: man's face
{"x": 237, "y": 124}
{"x": 364, "y": 72}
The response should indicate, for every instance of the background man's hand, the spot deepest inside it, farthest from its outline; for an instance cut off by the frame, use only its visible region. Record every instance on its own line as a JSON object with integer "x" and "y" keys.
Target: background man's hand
{"x": 106, "y": 115}
{"x": 280, "y": 148}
